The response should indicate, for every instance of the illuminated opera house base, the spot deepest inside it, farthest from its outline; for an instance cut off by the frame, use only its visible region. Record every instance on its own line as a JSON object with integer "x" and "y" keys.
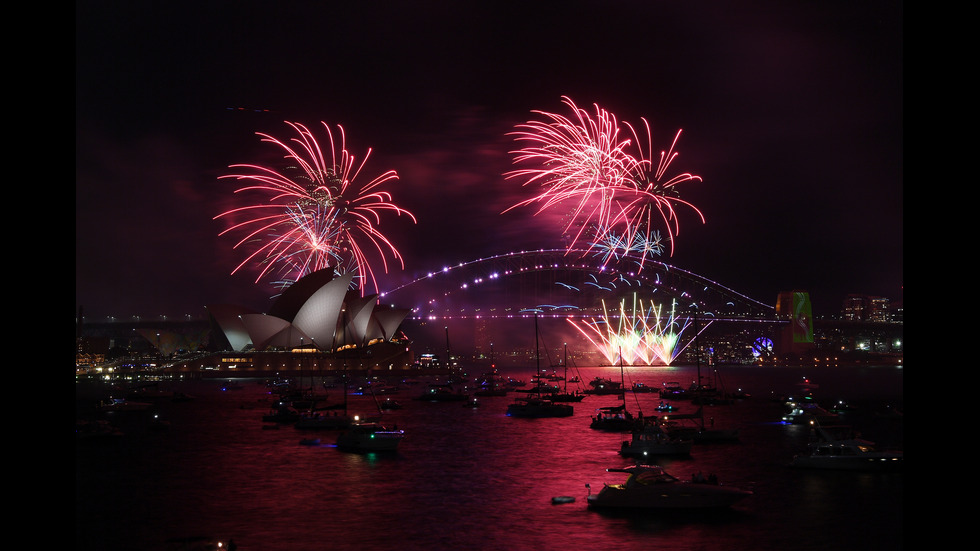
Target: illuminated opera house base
{"x": 381, "y": 357}
{"x": 318, "y": 324}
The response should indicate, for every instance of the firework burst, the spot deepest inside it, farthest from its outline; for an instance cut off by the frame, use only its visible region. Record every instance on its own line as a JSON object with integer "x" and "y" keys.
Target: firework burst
{"x": 616, "y": 193}
{"x": 642, "y": 336}
{"x": 313, "y": 213}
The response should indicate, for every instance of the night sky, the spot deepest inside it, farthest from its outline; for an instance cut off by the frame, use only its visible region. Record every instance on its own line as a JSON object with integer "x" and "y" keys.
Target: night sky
{"x": 792, "y": 113}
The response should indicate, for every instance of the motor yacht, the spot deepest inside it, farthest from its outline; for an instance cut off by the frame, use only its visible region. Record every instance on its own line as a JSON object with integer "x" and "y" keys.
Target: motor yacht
{"x": 848, "y": 454}
{"x": 672, "y": 390}
{"x": 650, "y": 487}
{"x": 613, "y": 419}
{"x": 537, "y": 407}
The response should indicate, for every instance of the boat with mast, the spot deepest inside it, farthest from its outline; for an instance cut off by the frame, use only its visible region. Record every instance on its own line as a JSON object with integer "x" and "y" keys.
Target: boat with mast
{"x": 444, "y": 392}
{"x": 565, "y": 396}
{"x": 614, "y": 418}
{"x": 491, "y": 383}
{"x": 699, "y": 432}
{"x": 535, "y": 404}
{"x": 370, "y": 435}
{"x": 319, "y": 418}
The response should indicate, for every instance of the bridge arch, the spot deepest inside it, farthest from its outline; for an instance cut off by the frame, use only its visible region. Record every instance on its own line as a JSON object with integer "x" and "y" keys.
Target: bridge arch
{"x": 567, "y": 282}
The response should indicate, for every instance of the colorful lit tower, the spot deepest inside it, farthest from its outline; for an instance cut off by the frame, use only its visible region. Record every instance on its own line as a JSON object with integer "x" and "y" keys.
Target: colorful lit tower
{"x": 797, "y": 336}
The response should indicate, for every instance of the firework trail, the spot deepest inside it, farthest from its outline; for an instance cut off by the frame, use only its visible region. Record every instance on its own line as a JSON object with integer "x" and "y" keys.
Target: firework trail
{"x": 616, "y": 192}
{"x": 314, "y": 213}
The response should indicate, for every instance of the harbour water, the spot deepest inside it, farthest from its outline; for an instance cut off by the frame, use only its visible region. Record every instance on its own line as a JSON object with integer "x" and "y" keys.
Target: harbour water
{"x": 474, "y": 478}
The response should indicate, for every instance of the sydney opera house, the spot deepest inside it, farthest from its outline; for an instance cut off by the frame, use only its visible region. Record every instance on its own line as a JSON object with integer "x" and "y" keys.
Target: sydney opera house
{"x": 318, "y": 323}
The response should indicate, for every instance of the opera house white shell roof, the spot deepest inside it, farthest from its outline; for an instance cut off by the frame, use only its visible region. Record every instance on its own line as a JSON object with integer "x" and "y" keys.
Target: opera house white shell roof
{"x": 318, "y": 310}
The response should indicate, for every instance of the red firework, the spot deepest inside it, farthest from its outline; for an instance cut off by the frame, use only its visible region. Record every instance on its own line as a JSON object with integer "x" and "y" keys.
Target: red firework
{"x": 313, "y": 213}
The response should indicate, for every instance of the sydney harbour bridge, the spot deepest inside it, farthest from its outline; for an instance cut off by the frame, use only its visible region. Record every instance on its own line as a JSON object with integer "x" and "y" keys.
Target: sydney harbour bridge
{"x": 565, "y": 281}
{"x": 479, "y": 302}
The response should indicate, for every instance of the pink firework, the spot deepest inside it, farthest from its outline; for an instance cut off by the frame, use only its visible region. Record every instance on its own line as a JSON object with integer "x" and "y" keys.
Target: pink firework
{"x": 656, "y": 193}
{"x": 615, "y": 192}
{"x": 313, "y": 213}
{"x": 582, "y": 160}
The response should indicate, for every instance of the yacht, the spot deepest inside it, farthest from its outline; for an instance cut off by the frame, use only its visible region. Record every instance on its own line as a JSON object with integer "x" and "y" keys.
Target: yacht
{"x": 491, "y": 384}
{"x": 603, "y": 386}
{"x": 535, "y": 404}
{"x": 849, "y": 454}
{"x": 650, "y": 487}
{"x": 538, "y": 406}
{"x": 672, "y": 390}
{"x": 613, "y": 419}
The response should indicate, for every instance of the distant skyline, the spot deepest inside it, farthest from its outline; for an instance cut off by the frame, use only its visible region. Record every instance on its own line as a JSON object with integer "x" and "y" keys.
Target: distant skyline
{"x": 791, "y": 113}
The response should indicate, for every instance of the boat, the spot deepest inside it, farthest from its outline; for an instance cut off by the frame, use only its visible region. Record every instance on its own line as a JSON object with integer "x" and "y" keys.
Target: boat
{"x": 314, "y": 418}
{"x": 613, "y": 419}
{"x": 641, "y": 388}
{"x": 122, "y": 404}
{"x": 672, "y": 390}
{"x": 665, "y": 407}
{"x": 541, "y": 387}
{"x": 847, "y": 454}
{"x": 442, "y": 393}
{"x": 564, "y": 395}
{"x": 650, "y": 487}
{"x": 695, "y": 428}
{"x": 807, "y": 385}
{"x": 536, "y": 405}
{"x": 604, "y": 386}
{"x": 323, "y": 420}
{"x": 370, "y": 436}
{"x": 491, "y": 383}
{"x": 708, "y": 393}
{"x": 388, "y": 403}
{"x": 281, "y": 412}
{"x": 801, "y": 413}
{"x": 652, "y": 440}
